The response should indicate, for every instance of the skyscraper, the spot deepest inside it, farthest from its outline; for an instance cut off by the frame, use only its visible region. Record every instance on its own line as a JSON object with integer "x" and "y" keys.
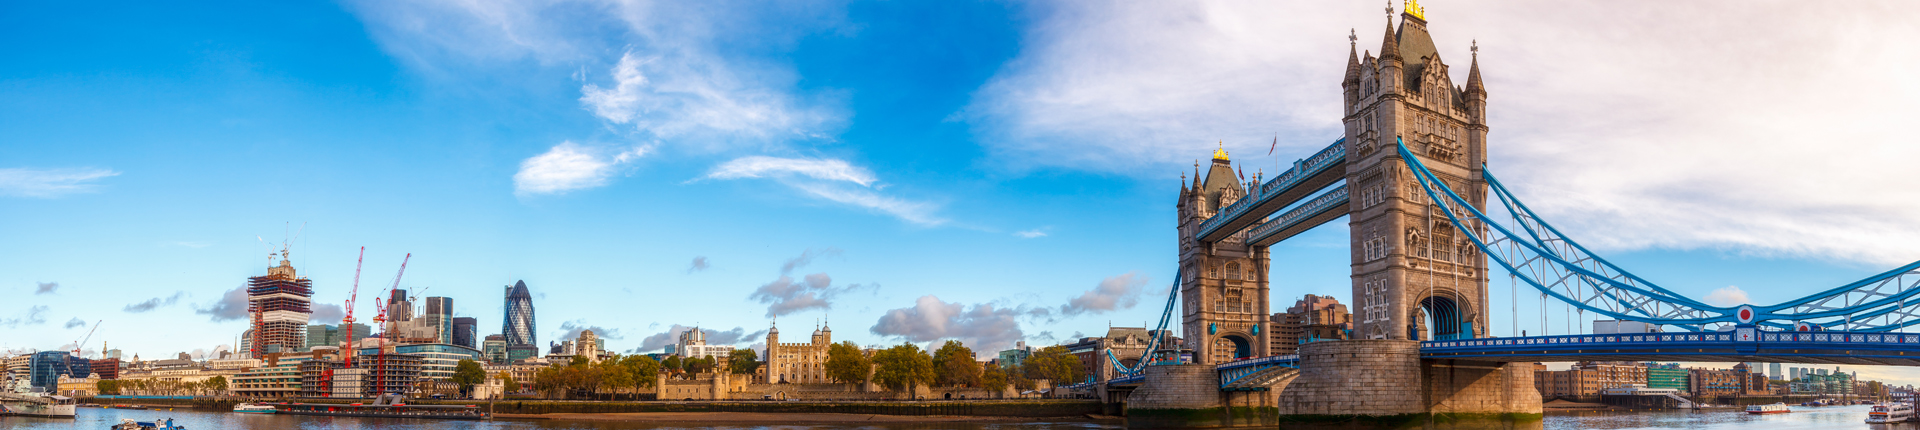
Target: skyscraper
{"x": 464, "y": 331}
{"x": 437, "y": 314}
{"x": 280, "y": 305}
{"x": 518, "y": 325}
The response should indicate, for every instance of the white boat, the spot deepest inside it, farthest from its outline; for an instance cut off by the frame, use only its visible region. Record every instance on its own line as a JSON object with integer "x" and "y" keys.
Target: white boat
{"x": 1890, "y": 413}
{"x": 250, "y": 408}
{"x": 1776, "y": 408}
{"x": 37, "y": 405}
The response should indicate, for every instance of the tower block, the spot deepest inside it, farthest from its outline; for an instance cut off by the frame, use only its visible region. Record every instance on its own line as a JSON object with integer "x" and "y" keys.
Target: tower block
{"x": 1225, "y": 285}
{"x": 1410, "y": 265}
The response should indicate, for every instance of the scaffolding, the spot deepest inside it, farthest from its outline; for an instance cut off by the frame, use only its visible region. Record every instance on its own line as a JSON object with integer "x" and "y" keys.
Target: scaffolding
{"x": 280, "y": 304}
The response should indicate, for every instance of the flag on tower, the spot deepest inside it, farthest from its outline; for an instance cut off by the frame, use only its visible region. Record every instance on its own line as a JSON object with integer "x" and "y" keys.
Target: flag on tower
{"x": 1276, "y": 144}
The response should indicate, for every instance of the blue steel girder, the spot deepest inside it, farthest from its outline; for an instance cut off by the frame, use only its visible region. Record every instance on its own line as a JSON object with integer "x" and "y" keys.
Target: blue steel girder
{"x": 1561, "y": 268}
{"x": 1889, "y": 349}
{"x": 1328, "y": 207}
{"x": 1307, "y": 176}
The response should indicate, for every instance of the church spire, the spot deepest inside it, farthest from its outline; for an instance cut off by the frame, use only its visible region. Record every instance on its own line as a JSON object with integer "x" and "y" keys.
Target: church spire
{"x": 1353, "y": 57}
{"x": 1389, "y": 47}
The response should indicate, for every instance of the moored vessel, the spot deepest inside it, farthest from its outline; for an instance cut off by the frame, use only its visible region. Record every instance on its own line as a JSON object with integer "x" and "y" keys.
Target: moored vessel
{"x": 37, "y": 405}
{"x": 1890, "y": 413}
{"x": 1776, "y": 408}
{"x": 251, "y": 408}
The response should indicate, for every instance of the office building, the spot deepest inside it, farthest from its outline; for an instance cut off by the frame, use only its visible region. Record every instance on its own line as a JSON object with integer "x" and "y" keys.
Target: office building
{"x": 334, "y": 336}
{"x": 46, "y": 367}
{"x": 280, "y": 305}
{"x": 494, "y": 349}
{"x": 464, "y": 332}
{"x": 518, "y": 325}
{"x": 1773, "y": 371}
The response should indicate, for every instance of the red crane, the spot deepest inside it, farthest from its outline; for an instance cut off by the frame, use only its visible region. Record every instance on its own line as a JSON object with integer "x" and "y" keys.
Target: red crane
{"x": 386, "y": 334}
{"x": 326, "y": 378}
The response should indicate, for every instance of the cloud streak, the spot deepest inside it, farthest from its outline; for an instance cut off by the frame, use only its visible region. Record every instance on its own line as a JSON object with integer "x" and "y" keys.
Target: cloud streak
{"x": 36, "y": 315}
{"x": 984, "y": 327}
{"x": 51, "y": 183}
{"x": 655, "y": 342}
{"x": 231, "y": 306}
{"x": 568, "y": 167}
{"x": 1114, "y": 293}
{"x": 46, "y": 288}
{"x": 699, "y": 265}
{"x": 154, "y": 303}
{"x": 828, "y": 179}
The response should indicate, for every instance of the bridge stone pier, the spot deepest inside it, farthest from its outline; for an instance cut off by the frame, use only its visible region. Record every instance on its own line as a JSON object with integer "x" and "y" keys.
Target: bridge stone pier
{"x": 1414, "y": 277}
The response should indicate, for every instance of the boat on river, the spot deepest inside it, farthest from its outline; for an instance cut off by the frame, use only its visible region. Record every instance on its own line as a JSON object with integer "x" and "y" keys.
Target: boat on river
{"x": 253, "y": 408}
{"x": 37, "y": 405}
{"x": 159, "y": 424}
{"x": 1776, "y": 408}
{"x": 386, "y": 406}
{"x": 1890, "y": 413}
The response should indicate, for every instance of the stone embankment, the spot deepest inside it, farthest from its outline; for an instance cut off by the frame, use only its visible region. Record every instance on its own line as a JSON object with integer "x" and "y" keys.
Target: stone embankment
{"x": 528, "y": 408}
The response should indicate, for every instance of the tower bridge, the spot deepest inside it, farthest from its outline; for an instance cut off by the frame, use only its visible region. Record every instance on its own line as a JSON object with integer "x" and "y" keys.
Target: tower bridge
{"x": 1409, "y": 174}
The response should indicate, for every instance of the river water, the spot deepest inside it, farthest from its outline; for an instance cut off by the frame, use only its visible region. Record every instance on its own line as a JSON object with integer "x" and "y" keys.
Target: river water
{"x": 1848, "y": 417}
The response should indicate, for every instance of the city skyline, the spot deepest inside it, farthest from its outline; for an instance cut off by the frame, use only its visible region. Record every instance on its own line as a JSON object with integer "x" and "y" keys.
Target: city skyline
{"x": 665, "y": 167}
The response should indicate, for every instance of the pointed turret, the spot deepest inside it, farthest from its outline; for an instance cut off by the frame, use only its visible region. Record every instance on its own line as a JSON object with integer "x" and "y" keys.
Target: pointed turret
{"x": 1389, "y": 46}
{"x": 1353, "y": 59}
{"x": 1473, "y": 74}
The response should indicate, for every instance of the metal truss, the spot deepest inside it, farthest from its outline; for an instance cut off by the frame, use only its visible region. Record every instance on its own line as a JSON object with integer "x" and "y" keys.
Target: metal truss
{"x": 1332, "y": 155}
{"x": 1540, "y": 255}
{"x": 1166, "y": 318}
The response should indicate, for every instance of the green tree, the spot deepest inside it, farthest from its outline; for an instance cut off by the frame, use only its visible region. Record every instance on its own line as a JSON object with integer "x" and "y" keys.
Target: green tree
{"x": 674, "y": 363}
{"x": 1053, "y": 363}
{"x": 994, "y": 379}
{"x": 845, "y": 363}
{"x": 643, "y": 370}
{"x": 508, "y": 384}
{"x": 107, "y": 386}
{"x": 548, "y": 381}
{"x": 614, "y": 375}
{"x": 468, "y": 373}
{"x": 217, "y": 384}
{"x": 699, "y": 365}
{"x": 743, "y": 361}
{"x": 953, "y": 366}
{"x": 902, "y": 367}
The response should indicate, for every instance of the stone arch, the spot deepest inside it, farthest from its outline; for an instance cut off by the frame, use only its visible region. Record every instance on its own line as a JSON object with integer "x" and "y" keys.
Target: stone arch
{"x": 1240, "y": 343}
{"x": 1451, "y": 317}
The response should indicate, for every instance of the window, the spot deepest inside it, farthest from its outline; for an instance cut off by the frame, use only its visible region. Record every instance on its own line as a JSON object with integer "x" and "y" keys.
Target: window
{"x": 1233, "y": 270}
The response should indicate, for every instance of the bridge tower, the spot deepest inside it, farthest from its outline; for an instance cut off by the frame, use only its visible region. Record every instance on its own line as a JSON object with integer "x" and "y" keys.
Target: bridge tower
{"x": 1409, "y": 263}
{"x": 1225, "y": 290}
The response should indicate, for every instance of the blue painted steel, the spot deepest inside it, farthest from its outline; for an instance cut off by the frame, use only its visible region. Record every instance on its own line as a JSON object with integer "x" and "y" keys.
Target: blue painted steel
{"x": 1233, "y": 371}
{"x": 1563, "y": 269}
{"x": 1813, "y": 347}
{"x": 1332, "y": 155}
{"x": 1331, "y": 200}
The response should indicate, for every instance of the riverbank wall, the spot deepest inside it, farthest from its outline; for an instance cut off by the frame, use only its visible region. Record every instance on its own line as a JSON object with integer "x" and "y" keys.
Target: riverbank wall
{"x": 990, "y": 408}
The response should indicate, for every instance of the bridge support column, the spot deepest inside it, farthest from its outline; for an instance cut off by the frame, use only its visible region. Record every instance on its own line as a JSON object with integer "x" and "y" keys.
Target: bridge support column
{"x": 1387, "y": 380}
{"x": 1173, "y": 396}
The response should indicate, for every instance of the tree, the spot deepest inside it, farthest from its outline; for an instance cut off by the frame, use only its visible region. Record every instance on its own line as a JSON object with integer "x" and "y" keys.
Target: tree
{"x": 614, "y": 375}
{"x": 743, "y": 361}
{"x": 674, "y": 363}
{"x": 953, "y": 366}
{"x": 468, "y": 373}
{"x": 548, "y": 381}
{"x": 644, "y": 371}
{"x": 217, "y": 384}
{"x": 699, "y": 365}
{"x": 845, "y": 363}
{"x": 108, "y": 386}
{"x": 508, "y": 384}
{"x": 902, "y": 367}
{"x": 994, "y": 379}
{"x": 1053, "y": 363}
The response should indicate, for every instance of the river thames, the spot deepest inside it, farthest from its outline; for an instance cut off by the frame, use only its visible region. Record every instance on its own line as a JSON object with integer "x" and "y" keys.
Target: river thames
{"x": 1847, "y": 417}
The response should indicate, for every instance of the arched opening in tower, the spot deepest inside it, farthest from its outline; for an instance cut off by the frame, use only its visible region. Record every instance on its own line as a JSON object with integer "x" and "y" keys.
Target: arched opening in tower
{"x": 1440, "y": 320}
{"x": 1242, "y": 349}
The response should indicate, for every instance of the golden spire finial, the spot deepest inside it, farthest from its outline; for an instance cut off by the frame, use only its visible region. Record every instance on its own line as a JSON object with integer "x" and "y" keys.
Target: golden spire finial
{"x": 1412, "y": 7}
{"x": 1221, "y": 152}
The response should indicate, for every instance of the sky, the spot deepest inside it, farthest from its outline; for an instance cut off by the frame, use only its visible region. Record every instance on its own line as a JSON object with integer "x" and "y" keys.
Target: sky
{"x": 991, "y": 172}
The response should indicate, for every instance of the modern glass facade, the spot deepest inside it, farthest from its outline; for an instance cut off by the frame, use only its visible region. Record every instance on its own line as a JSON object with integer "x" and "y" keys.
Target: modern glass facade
{"x": 437, "y": 360}
{"x": 1663, "y": 377}
{"x": 464, "y": 332}
{"x": 518, "y": 326}
{"x": 46, "y": 368}
{"x": 494, "y": 349}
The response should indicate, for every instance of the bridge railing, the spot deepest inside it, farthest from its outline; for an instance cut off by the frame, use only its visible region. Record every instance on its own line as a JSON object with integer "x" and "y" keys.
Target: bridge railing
{"x": 1332, "y": 199}
{"x": 1302, "y": 169}
{"x": 1845, "y": 338}
{"x": 1255, "y": 362}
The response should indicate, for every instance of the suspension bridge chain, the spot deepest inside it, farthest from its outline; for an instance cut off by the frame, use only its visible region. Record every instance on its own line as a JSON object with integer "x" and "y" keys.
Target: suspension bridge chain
{"x": 1541, "y": 256}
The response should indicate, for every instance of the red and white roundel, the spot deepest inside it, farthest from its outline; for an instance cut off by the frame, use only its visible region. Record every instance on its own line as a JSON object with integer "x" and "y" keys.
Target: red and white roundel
{"x": 1745, "y": 314}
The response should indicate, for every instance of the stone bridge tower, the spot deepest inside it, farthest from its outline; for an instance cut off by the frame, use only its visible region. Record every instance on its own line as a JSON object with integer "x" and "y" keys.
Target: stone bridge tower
{"x": 1224, "y": 289}
{"x": 1408, "y": 261}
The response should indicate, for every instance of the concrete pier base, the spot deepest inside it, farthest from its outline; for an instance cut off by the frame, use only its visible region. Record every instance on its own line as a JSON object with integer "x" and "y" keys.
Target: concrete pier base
{"x": 1346, "y": 384}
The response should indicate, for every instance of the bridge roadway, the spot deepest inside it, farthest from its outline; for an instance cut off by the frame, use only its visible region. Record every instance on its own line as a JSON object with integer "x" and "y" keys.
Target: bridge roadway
{"x": 1745, "y": 344}
{"x": 1306, "y": 178}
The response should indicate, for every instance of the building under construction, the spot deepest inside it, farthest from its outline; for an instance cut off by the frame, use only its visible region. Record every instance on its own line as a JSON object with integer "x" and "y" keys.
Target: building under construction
{"x": 280, "y": 305}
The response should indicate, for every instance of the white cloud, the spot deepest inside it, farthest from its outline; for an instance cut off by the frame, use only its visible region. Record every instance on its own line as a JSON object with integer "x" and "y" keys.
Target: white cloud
{"x": 1114, "y": 293}
{"x": 1776, "y": 131}
{"x": 983, "y": 326}
{"x": 570, "y": 166}
{"x": 1727, "y": 296}
{"x": 760, "y": 166}
{"x": 829, "y": 179}
{"x": 1030, "y": 234}
{"x": 694, "y": 95}
{"x": 51, "y": 183}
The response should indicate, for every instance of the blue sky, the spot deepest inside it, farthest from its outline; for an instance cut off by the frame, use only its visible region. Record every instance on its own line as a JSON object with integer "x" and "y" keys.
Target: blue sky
{"x": 988, "y": 171}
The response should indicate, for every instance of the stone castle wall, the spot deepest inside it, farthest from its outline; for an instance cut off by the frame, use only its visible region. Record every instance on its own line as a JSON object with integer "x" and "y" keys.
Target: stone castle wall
{"x": 1356, "y": 377}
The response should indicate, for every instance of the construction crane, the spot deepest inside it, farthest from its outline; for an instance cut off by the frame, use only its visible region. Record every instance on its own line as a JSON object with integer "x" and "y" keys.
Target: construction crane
{"x": 386, "y": 332}
{"x": 326, "y": 377}
{"x": 83, "y": 341}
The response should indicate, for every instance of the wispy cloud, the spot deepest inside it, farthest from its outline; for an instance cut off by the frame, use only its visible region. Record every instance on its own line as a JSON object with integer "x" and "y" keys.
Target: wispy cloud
{"x": 36, "y": 315}
{"x": 787, "y": 295}
{"x": 699, "y": 264}
{"x": 1697, "y": 112}
{"x": 76, "y": 322}
{"x": 1031, "y": 234}
{"x": 231, "y": 306}
{"x": 570, "y": 166}
{"x": 984, "y": 327}
{"x": 51, "y": 183}
{"x": 46, "y": 288}
{"x": 1114, "y": 293}
{"x": 155, "y": 303}
{"x": 828, "y": 179}
{"x": 1730, "y": 295}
